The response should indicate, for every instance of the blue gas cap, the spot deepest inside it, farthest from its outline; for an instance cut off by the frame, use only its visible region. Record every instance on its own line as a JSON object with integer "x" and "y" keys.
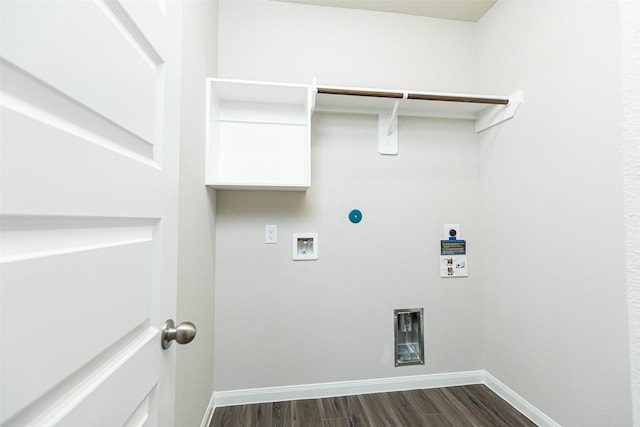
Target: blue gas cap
{"x": 355, "y": 216}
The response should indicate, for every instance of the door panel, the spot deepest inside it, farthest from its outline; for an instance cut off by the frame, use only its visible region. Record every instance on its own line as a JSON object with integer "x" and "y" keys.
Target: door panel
{"x": 36, "y": 288}
{"x": 88, "y": 220}
{"x": 54, "y": 164}
{"x": 99, "y": 61}
{"x": 42, "y": 103}
{"x": 134, "y": 399}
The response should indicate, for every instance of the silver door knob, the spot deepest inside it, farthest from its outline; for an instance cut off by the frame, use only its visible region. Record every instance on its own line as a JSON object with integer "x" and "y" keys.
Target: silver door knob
{"x": 184, "y": 333}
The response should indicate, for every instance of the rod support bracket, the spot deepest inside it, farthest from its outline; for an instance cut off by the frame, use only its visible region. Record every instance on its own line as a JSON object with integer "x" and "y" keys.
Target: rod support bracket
{"x": 496, "y": 114}
{"x": 388, "y": 129}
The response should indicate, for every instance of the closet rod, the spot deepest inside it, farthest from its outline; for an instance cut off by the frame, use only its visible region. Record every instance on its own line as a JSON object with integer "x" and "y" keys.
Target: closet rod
{"x": 420, "y": 96}
{"x": 359, "y": 92}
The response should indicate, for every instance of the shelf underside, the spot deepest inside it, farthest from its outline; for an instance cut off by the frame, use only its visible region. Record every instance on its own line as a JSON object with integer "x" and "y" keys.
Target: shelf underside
{"x": 225, "y": 185}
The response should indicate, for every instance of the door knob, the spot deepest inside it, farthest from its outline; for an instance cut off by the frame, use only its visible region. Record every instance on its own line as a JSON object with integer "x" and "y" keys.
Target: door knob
{"x": 184, "y": 333}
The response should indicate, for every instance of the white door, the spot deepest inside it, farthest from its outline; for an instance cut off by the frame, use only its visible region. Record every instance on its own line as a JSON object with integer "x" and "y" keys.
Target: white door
{"x": 89, "y": 155}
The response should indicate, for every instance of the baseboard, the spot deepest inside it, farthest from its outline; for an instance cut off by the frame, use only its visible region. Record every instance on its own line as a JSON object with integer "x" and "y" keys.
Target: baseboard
{"x": 345, "y": 388}
{"x": 515, "y": 400}
{"x": 208, "y": 415}
{"x": 378, "y": 385}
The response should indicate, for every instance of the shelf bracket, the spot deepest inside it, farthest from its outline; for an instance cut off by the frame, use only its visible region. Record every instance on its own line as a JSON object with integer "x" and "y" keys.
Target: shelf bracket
{"x": 491, "y": 116}
{"x": 388, "y": 129}
{"x": 314, "y": 92}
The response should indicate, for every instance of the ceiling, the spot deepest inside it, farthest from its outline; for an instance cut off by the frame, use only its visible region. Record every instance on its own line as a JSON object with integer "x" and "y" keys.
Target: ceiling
{"x": 461, "y": 10}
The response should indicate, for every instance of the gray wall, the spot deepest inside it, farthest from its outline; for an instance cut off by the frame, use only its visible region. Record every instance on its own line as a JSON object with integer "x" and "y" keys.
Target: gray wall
{"x": 545, "y": 308}
{"x": 554, "y": 292}
{"x": 194, "y": 370}
{"x": 293, "y": 43}
{"x": 284, "y": 322}
{"x": 280, "y": 322}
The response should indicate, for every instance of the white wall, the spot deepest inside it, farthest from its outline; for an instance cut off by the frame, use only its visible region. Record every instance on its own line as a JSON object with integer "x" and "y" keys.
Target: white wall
{"x": 292, "y": 43}
{"x": 630, "y": 36}
{"x": 554, "y": 294}
{"x": 194, "y": 370}
{"x": 540, "y": 199}
{"x": 280, "y": 322}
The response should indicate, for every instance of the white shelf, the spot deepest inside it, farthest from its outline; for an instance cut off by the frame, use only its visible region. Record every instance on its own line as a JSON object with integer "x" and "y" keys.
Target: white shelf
{"x": 258, "y": 133}
{"x": 415, "y": 103}
{"x": 486, "y": 110}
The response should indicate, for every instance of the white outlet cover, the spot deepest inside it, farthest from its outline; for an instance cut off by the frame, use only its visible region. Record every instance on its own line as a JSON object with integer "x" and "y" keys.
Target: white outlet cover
{"x": 270, "y": 234}
{"x": 448, "y": 227}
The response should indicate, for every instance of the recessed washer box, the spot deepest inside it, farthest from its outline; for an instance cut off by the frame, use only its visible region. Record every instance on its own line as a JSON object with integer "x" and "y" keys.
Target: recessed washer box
{"x": 409, "y": 336}
{"x": 305, "y": 246}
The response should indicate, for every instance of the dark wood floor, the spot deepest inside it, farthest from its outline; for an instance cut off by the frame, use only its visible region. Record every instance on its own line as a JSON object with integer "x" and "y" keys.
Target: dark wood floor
{"x": 472, "y": 405}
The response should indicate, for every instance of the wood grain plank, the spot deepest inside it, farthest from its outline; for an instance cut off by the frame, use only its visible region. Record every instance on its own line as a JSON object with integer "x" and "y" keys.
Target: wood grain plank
{"x": 407, "y": 412}
{"x": 448, "y": 406}
{"x": 479, "y": 412}
{"x": 436, "y": 420}
{"x": 379, "y": 410}
{"x": 355, "y": 412}
{"x": 282, "y": 414}
{"x": 307, "y": 412}
{"x": 261, "y": 415}
{"x": 334, "y": 407}
{"x": 420, "y": 401}
{"x": 335, "y": 422}
{"x": 230, "y": 416}
{"x": 497, "y": 407}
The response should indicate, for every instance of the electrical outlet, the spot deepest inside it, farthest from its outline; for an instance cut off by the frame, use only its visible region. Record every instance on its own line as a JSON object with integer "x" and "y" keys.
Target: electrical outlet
{"x": 271, "y": 234}
{"x": 452, "y": 228}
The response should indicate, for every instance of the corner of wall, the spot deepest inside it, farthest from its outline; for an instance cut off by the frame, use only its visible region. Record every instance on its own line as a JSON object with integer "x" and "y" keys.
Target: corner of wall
{"x": 196, "y": 249}
{"x": 629, "y": 12}
{"x": 556, "y": 170}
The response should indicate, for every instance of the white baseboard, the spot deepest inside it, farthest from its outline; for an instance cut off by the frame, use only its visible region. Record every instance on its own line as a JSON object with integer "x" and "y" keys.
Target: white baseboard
{"x": 378, "y": 385}
{"x": 515, "y": 400}
{"x": 208, "y": 415}
{"x": 345, "y": 388}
